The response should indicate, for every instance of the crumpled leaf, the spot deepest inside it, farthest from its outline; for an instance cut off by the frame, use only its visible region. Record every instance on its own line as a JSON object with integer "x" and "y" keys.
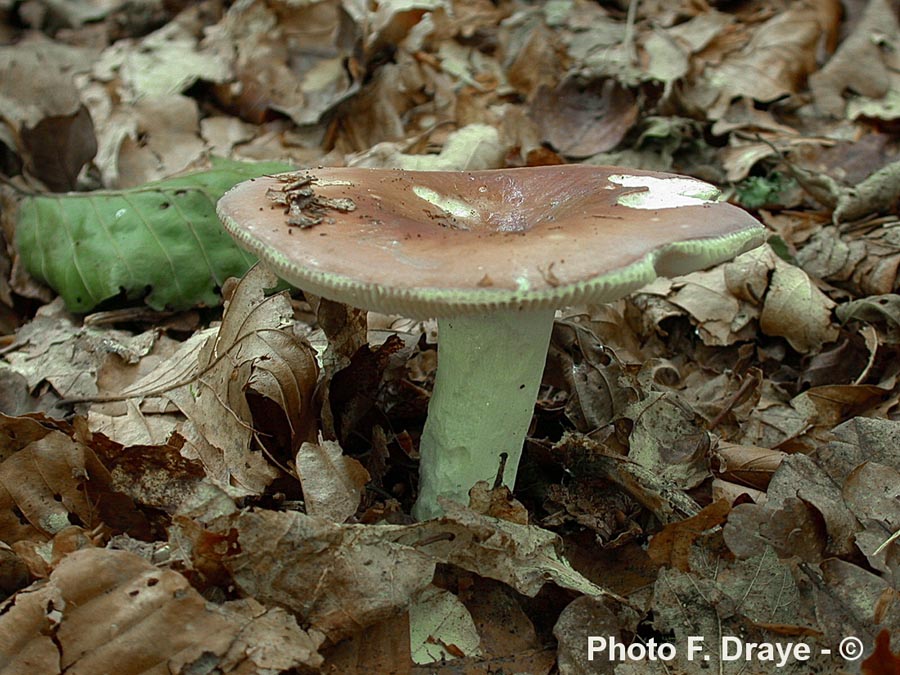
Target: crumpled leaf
{"x": 340, "y": 578}
{"x": 666, "y": 441}
{"x": 332, "y": 483}
{"x": 163, "y": 236}
{"x": 54, "y": 349}
{"x": 279, "y": 64}
{"x": 881, "y": 310}
{"x": 721, "y": 318}
{"x": 792, "y": 305}
{"x": 253, "y": 354}
{"x": 866, "y": 262}
{"x": 775, "y": 61}
{"x": 523, "y": 556}
{"x": 55, "y": 481}
{"x": 112, "y": 612}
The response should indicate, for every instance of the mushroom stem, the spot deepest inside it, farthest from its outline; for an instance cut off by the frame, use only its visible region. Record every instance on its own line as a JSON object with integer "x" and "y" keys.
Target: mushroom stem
{"x": 489, "y": 371}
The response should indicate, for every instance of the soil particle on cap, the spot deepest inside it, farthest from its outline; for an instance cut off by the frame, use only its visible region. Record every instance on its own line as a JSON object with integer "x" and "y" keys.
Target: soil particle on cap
{"x": 303, "y": 206}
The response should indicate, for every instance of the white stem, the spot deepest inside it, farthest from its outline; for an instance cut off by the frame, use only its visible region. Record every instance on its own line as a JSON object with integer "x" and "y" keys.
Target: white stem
{"x": 489, "y": 371}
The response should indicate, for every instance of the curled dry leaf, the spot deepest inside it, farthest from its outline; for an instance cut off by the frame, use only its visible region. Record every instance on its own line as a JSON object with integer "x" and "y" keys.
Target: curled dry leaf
{"x": 523, "y": 556}
{"x": 340, "y": 578}
{"x": 863, "y": 261}
{"x": 792, "y": 306}
{"x": 746, "y": 464}
{"x": 112, "y": 612}
{"x": 253, "y": 352}
{"x": 797, "y": 310}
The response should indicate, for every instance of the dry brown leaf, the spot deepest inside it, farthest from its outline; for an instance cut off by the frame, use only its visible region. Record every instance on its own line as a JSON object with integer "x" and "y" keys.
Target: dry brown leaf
{"x": 864, "y": 261}
{"x": 882, "y": 661}
{"x": 775, "y": 61}
{"x": 50, "y": 484}
{"x": 671, "y": 546}
{"x": 279, "y": 64}
{"x": 759, "y": 599}
{"x": 474, "y": 147}
{"x": 665, "y": 440}
{"x": 253, "y": 352}
{"x": 851, "y": 600}
{"x": 797, "y": 310}
{"x": 164, "y": 139}
{"x": 746, "y": 464}
{"x": 804, "y": 515}
{"x": 111, "y": 611}
{"x": 859, "y": 64}
{"x": 40, "y": 105}
{"x": 525, "y": 557}
{"x": 580, "y": 121}
{"x": 381, "y": 648}
{"x": 335, "y": 578}
{"x": 581, "y": 619}
{"x": 55, "y": 349}
{"x": 440, "y": 627}
{"x": 721, "y": 318}
{"x": 332, "y": 483}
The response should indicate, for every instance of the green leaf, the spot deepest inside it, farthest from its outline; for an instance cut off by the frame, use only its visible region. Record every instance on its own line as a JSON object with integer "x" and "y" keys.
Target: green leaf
{"x": 161, "y": 241}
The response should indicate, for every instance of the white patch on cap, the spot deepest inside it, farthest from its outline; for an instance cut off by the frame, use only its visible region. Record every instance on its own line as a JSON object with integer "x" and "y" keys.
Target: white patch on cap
{"x": 665, "y": 193}
{"x": 333, "y": 182}
{"x": 455, "y": 207}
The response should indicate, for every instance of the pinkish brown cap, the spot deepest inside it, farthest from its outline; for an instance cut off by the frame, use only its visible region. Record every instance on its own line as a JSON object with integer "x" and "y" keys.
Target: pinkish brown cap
{"x": 442, "y": 244}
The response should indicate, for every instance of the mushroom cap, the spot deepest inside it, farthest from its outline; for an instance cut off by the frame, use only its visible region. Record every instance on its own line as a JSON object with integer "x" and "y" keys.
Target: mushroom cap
{"x": 446, "y": 243}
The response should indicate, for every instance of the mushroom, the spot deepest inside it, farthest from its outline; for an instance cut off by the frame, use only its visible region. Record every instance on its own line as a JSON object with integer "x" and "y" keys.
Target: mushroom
{"x": 491, "y": 255}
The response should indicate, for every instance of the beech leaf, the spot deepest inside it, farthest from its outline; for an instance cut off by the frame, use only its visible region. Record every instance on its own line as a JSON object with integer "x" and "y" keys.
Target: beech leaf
{"x": 162, "y": 240}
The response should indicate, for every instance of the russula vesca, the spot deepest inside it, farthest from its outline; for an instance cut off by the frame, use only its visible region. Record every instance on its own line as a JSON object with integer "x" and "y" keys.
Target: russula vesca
{"x": 491, "y": 255}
